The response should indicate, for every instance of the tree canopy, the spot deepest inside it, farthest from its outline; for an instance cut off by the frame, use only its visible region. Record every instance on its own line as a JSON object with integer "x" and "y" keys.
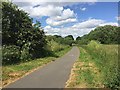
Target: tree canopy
{"x": 18, "y": 32}
{"x": 105, "y": 34}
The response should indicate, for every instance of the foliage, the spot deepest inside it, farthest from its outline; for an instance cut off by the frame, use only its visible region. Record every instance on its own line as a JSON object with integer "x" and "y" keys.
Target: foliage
{"x": 68, "y": 40}
{"x": 16, "y": 25}
{"x": 83, "y": 41}
{"x": 78, "y": 38}
{"x": 17, "y": 29}
{"x": 104, "y": 34}
{"x": 38, "y": 42}
{"x": 54, "y": 46}
{"x": 11, "y": 54}
{"x": 25, "y": 55}
{"x": 94, "y": 44}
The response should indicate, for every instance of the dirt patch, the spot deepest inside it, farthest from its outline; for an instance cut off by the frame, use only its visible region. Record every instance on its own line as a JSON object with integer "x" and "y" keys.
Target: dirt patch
{"x": 72, "y": 77}
{"x": 14, "y": 76}
{"x": 80, "y": 67}
{"x": 83, "y": 85}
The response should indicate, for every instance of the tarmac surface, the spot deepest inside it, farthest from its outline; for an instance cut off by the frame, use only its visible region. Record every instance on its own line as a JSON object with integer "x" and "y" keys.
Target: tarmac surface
{"x": 53, "y": 75}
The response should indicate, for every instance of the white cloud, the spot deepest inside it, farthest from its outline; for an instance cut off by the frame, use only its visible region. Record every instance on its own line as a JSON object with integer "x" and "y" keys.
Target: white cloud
{"x": 78, "y": 29}
{"x": 109, "y": 23}
{"x": 64, "y": 31}
{"x": 83, "y": 9}
{"x": 67, "y": 16}
{"x": 46, "y": 7}
{"x": 90, "y": 23}
{"x": 40, "y": 11}
{"x": 65, "y": 1}
{"x": 60, "y": 1}
{"x": 61, "y": 22}
{"x": 59, "y": 16}
{"x": 118, "y": 18}
{"x": 51, "y": 9}
{"x": 66, "y": 13}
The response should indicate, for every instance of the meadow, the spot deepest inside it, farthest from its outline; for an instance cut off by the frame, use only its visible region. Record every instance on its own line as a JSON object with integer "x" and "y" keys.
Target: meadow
{"x": 97, "y": 67}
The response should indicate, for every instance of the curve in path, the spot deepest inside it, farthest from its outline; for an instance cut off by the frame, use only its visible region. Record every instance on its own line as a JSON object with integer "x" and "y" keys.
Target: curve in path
{"x": 53, "y": 75}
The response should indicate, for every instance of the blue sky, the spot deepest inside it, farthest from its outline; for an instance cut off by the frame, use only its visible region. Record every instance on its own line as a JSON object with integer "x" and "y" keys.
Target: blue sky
{"x": 105, "y": 10}
{"x": 100, "y": 10}
{"x": 71, "y": 18}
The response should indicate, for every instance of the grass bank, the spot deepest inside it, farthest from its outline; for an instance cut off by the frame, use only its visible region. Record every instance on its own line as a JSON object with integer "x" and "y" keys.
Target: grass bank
{"x": 97, "y": 67}
{"x": 14, "y": 72}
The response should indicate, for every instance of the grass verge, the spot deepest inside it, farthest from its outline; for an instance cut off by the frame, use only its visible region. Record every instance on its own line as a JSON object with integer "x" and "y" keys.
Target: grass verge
{"x": 84, "y": 74}
{"x": 12, "y": 73}
{"x": 97, "y": 67}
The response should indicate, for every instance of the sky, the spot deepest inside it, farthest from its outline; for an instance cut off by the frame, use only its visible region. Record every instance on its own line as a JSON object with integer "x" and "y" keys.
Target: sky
{"x": 71, "y": 18}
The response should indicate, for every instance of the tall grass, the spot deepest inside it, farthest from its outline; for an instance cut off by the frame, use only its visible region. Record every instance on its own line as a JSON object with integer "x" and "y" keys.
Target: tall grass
{"x": 106, "y": 59}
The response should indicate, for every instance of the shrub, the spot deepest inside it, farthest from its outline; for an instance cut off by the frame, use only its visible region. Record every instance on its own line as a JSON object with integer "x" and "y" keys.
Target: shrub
{"x": 54, "y": 46}
{"x": 94, "y": 44}
{"x": 25, "y": 54}
{"x": 11, "y": 54}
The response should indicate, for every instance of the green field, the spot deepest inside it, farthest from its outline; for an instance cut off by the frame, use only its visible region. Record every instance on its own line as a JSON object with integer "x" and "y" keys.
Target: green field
{"x": 97, "y": 67}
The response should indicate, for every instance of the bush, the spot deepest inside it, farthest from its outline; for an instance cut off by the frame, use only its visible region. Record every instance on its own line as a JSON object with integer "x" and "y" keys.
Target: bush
{"x": 11, "y": 54}
{"x": 94, "y": 44}
{"x": 25, "y": 54}
{"x": 54, "y": 46}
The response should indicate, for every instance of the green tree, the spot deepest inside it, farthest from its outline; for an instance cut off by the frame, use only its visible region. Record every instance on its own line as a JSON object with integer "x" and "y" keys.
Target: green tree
{"x": 78, "y": 38}
{"x": 38, "y": 43}
{"x": 17, "y": 30}
{"x": 16, "y": 25}
{"x": 59, "y": 39}
{"x": 69, "y": 40}
{"x": 105, "y": 34}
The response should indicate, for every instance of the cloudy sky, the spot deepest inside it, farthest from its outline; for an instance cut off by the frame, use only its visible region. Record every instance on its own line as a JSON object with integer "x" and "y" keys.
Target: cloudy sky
{"x": 71, "y": 18}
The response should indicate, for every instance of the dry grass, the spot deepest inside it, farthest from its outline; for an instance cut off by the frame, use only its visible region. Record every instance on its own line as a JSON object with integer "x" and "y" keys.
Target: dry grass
{"x": 84, "y": 73}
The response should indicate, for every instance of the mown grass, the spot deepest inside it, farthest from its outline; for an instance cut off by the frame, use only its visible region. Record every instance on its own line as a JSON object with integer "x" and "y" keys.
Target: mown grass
{"x": 13, "y": 72}
{"x": 97, "y": 67}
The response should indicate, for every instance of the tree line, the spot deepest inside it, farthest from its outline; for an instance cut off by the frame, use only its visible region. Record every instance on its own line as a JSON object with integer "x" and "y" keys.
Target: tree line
{"x": 21, "y": 40}
{"x": 104, "y": 34}
{"x": 68, "y": 40}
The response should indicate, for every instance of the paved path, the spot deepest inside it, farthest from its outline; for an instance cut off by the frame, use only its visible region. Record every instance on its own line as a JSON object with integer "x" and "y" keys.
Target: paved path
{"x": 53, "y": 75}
